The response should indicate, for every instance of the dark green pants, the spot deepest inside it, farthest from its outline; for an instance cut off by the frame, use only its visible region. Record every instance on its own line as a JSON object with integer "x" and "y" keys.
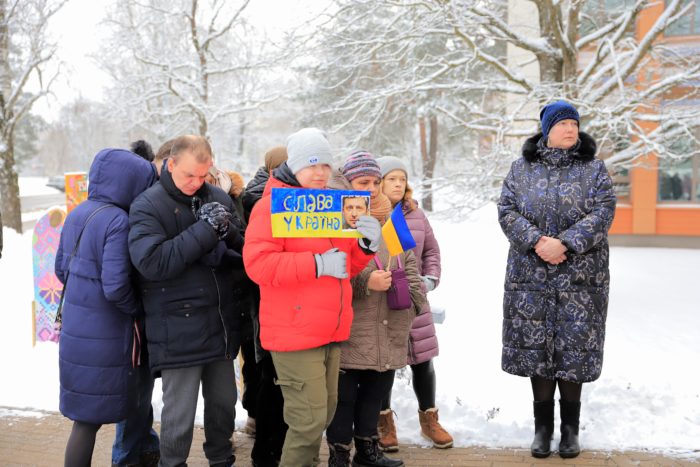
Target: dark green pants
{"x": 309, "y": 383}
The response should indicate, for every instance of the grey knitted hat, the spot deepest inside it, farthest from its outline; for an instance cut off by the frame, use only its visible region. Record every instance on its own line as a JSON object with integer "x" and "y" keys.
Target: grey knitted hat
{"x": 307, "y": 147}
{"x": 389, "y": 163}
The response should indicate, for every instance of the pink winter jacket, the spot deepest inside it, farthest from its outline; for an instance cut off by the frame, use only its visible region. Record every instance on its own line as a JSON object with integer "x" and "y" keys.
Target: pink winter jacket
{"x": 423, "y": 344}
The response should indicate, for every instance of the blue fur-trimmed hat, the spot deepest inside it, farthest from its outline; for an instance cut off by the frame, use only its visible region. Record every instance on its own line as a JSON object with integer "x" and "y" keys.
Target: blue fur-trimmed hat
{"x": 556, "y": 112}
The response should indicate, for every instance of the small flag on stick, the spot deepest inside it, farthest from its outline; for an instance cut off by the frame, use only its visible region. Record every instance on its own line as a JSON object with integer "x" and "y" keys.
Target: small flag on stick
{"x": 396, "y": 234}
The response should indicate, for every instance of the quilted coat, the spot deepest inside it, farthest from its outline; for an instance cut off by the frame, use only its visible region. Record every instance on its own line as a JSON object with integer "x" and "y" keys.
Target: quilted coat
{"x": 423, "y": 344}
{"x": 95, "y": 347}
{"x": 554, "y": 315}
{"x": 379, "y": 336}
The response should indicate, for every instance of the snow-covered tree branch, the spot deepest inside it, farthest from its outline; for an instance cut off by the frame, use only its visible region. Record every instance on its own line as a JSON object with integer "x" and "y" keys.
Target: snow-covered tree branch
{"x": 485, "y": 67}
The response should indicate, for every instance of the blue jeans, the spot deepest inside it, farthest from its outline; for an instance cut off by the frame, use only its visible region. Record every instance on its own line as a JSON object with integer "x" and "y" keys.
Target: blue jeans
{"x": 135, "y": 434}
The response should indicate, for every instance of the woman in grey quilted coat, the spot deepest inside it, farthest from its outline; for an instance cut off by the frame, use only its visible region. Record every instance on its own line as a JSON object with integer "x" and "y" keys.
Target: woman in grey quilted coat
{"x": 556, "y": 206}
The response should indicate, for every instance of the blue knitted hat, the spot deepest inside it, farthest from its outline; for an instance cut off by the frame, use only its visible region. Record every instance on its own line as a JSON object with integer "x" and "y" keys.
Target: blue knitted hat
{"x": 556, "y": 112}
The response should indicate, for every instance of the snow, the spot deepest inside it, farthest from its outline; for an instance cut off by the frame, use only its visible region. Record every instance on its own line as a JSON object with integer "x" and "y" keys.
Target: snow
{"x": 648, "y": 397}
{"x": 33, "y": 186}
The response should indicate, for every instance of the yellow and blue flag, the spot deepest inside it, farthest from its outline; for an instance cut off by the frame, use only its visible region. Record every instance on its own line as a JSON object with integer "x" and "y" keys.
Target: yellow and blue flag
{"x": 396, "y": 234}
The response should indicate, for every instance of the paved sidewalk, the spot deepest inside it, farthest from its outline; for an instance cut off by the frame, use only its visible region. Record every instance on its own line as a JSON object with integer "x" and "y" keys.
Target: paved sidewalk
{"x": 34, "y": 438}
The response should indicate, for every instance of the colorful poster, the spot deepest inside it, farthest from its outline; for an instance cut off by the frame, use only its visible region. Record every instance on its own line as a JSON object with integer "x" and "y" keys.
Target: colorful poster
{"x": 303, "y": 212}
{"x": 47, "y": 287}
{"x": 76, "y": 189}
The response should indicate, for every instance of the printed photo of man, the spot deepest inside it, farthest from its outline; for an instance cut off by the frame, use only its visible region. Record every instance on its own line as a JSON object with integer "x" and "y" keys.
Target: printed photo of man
{"x": 353, "y": 208}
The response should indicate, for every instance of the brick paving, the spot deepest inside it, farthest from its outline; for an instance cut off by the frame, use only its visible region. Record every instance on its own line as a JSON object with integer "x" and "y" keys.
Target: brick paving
{"x": 34, "y": 438}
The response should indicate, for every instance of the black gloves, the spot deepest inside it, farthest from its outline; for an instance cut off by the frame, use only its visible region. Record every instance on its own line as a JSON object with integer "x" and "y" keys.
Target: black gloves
{"x": 216, "y": 215}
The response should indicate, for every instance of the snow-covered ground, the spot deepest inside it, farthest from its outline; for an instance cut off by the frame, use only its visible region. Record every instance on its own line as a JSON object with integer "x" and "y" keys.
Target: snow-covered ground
{"x": 647, "y": 398}
{"x": 31, "y": 186}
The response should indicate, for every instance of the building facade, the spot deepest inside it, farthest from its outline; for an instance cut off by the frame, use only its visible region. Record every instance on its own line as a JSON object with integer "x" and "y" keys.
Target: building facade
{"x": 659, "y": 200}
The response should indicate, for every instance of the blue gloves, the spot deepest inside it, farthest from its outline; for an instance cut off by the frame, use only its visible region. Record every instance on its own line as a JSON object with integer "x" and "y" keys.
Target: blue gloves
{"x": 331, "y": 263}
{"x": 372, "y": 230}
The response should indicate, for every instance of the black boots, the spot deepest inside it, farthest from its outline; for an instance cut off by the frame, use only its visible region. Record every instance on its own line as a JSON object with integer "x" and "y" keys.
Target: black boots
{"x": 339, "y": 455}
{"x": 544, "y": 428}
{"x": 569, "y": 413}
{"x": 368, "y": 454}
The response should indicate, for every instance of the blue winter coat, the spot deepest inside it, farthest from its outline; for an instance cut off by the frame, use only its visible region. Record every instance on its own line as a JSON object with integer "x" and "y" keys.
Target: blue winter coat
{"x": 100, "y": 302}
{"x": 554, "y": 316}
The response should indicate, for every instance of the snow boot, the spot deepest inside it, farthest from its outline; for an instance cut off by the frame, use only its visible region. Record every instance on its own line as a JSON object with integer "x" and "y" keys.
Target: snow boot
{"x": 339, "y": 455}
{"x": 431, "y": 429}
{"x": 368, "y": 454}
{"x": 570, "y": 413}
{"x": 544, "y": 428}
{"x": 388, "y": 441}
{"x": 149, "y": 459}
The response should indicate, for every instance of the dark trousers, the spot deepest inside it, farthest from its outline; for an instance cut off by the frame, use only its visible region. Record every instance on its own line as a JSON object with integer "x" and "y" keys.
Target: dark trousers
{"x": 423, "y": 385}
{"x": 360, "y": 394}
{"x": 251, "y": 378}
{"x": 135, "y": 435}
{"x": 270, "y": 428}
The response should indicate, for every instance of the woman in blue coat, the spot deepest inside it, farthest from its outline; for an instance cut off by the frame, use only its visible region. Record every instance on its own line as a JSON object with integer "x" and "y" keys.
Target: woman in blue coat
{"x": 556, "y": 206}
{"x": 97, "y": 352}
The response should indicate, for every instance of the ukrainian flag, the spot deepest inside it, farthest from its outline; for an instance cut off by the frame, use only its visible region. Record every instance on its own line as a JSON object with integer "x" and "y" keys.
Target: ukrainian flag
{"x": 396, "y": 234}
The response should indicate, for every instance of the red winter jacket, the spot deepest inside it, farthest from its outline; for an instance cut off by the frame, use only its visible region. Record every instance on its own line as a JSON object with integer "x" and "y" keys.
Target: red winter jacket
{"x": 297, "y": 310}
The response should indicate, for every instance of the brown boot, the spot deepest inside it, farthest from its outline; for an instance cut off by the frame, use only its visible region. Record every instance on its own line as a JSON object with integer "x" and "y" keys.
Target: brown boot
{"x": 387, "y": 432}
{"x": 431, "y": 429}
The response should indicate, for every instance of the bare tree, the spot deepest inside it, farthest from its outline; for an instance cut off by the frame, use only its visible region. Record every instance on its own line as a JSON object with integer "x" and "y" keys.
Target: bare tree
{"x": 388, "y": 60}
{"x": 187, "y": 66}
{"x": 384, "y": 70}
{"x": 70, "y": 142}
{"x": 25, "y": 51}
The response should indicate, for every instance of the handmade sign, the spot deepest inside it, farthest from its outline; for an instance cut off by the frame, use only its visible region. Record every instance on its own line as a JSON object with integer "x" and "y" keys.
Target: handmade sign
{"x": 304, "y": 212}
{"x": 47, "y": 287}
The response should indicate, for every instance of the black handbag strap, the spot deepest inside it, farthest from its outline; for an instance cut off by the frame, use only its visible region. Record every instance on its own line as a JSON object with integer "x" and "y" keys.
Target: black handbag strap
{"x": 58, "y": 318}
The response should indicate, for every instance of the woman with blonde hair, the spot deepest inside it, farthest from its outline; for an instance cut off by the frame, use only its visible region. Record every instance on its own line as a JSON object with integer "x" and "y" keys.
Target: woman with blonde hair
{"x": 423, "y": 345}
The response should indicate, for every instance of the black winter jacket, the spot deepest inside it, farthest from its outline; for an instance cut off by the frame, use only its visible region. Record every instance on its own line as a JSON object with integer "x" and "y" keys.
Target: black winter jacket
{"x": 187, "y": 276}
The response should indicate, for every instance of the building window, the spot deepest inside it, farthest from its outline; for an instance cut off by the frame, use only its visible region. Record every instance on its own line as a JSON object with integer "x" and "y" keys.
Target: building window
{"x": 679, "y": 180}
{"x": 621, "y": 184}
{"x": 688, "y": 24}
{"x": 598, "y": 13}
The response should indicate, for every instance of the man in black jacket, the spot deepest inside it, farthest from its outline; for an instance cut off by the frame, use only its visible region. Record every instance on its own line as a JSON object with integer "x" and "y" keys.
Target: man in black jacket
{"x": 185, "y": 243}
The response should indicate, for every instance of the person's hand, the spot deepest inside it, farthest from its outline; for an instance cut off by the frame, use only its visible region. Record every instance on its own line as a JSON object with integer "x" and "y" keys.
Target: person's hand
{"x": 428, "y": 282}
{"x": 551, "y": 250}
{"x": 372, "y": 231}
{"x": 331, "y": 263}
{"x": 216, "y": 215}
{"x": 379, "y": 280}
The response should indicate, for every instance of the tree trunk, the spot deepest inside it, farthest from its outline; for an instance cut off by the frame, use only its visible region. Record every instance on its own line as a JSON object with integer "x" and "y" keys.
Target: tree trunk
{"x": 9, "y": 188}
{"x": 428, "y": 151}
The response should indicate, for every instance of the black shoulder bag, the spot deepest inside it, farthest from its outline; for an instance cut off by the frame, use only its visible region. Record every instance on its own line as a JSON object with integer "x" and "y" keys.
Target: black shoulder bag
{"x": 59, "y": 318}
